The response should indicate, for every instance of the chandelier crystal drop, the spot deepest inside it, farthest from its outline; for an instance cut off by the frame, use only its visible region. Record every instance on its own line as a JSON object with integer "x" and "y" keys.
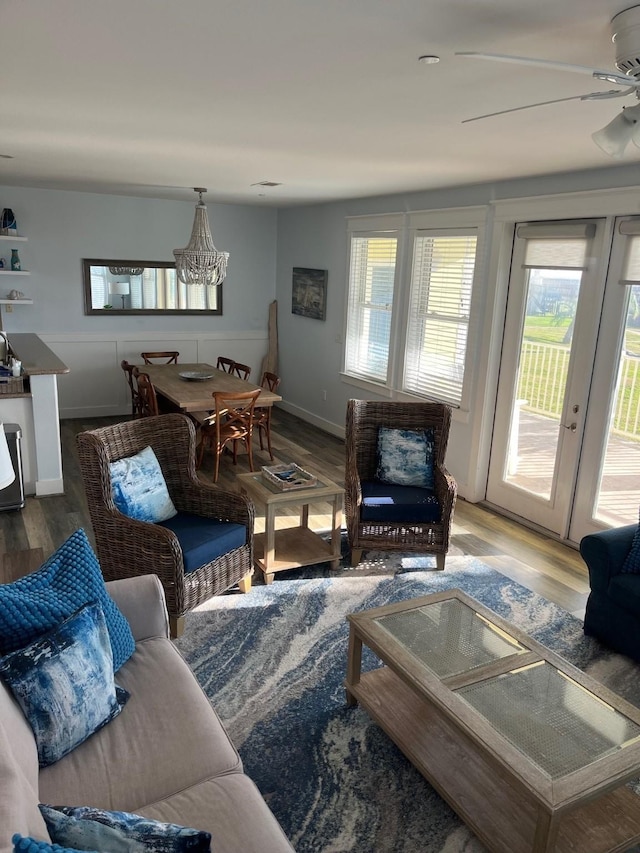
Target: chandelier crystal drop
{"x": 200, "y": 262}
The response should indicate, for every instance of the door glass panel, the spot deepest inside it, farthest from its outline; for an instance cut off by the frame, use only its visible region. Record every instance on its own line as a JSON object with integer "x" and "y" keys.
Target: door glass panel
{"x": 619, "y": 490}
{"x": 543, "y": 369}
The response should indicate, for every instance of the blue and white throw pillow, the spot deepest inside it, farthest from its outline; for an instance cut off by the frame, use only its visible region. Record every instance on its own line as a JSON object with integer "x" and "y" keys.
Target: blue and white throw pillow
{"x": 139, "y": 487}
{"x": 405, "y": 457}
{"x": 24, "y": 844}
{"x": 64, "y": 683}
{"x": 70, "y": 578}
{"x": 86, "y": 828}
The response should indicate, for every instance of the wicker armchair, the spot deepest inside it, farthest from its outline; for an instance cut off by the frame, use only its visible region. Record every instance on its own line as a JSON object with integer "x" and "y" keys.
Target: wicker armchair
{"x": 127, "y": 547}
{"x": 364, "y": 417}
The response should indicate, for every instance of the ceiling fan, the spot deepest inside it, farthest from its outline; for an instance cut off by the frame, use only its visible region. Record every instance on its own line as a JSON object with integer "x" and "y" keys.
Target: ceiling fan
{"x": 625, "y": 127}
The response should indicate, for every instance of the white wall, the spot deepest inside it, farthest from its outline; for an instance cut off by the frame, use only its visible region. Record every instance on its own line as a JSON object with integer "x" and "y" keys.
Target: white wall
{"x": 311, "y": 350}
{"x": 64, "y": 227}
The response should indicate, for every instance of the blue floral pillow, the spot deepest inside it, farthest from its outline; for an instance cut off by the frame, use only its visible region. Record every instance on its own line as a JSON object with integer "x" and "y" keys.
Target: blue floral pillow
{"x": 24, "y": 844}
{"x": 64, "y": 683}
{"x": 69, "y": 579}
{"x": 139, "y": 487}
{"x": 85, "y": 828}
{"x": 405, "y": 457}
{"x": 632, "y": 563}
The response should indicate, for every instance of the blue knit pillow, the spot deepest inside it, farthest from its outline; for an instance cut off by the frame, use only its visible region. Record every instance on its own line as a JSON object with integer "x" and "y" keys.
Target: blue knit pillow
{"x": 69, "y": 579}
{"x": 23, "y": 844}
{"x": 64, "y": 683}
{"x": 632, "y": 563}
{"x": 139, "y": 487}
{"x": 405, "y": 457}
{"x": 85, "y": 827}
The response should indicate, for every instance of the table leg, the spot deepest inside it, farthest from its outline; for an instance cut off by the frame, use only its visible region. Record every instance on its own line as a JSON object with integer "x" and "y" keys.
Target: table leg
{"x": 304, "y": 515}
{"x": 546, "y": 832}
{"x": 269, "y": 543}
{"x": 354, "y": 663}
{"x": 336, "y": 531}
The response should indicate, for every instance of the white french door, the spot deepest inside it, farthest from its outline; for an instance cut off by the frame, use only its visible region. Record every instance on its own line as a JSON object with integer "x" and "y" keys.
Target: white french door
{"x": 554, "y": 304}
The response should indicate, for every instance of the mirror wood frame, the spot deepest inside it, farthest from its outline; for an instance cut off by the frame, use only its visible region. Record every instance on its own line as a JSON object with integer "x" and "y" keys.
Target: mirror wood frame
{"x": 87, "y": 263}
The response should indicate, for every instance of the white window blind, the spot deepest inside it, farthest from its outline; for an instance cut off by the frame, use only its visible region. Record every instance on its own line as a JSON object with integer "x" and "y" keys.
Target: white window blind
{"x": 371, "y": 283}
{"x": 556, "y": 246}
{"x": 631, "y": 269}
{"x": 160, "y": 288}
{"x": 440, "y": 302}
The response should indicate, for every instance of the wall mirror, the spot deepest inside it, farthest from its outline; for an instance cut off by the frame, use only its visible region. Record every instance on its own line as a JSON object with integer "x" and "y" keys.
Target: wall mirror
{"x": 143, "y": 287}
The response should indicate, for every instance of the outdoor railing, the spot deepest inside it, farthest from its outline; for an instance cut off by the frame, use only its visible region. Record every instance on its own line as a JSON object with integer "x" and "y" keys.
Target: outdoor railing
{"x": 543, "y": 376}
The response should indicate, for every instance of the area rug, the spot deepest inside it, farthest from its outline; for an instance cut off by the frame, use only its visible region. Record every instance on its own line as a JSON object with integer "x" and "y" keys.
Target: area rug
{"x": 273, "y": 664}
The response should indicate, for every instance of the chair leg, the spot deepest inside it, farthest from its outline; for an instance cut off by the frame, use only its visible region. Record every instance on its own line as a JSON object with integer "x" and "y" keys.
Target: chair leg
{"x": 356, "y": 556}
{"x": 249, "y": 443}
{"x": 176, "y": 626}
{"x": 244, "y": 583}
{"x": 268, "y": 432}
{"x": 216, "y": 463}
{"x": 440, "y": 562}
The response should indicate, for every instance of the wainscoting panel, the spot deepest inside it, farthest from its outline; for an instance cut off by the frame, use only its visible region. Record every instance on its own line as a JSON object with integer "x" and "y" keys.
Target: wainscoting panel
{"x": 96, "y": 386}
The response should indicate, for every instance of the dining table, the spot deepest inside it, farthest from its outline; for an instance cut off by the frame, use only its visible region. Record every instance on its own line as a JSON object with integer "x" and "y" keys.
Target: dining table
{"x": 190, "y": 386}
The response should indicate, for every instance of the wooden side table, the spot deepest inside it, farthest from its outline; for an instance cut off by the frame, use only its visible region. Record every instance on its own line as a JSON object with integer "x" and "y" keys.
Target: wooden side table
{"x": 292, "y": 547}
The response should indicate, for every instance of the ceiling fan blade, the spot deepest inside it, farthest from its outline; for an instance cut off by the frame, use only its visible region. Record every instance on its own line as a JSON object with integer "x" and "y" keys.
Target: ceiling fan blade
{"x": 611, "y": 94}
{"x": 610, "y": 76}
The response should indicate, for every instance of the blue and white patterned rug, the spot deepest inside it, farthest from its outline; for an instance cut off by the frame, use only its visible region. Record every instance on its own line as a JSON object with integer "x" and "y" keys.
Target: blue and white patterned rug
{"x": 273, "y": 664}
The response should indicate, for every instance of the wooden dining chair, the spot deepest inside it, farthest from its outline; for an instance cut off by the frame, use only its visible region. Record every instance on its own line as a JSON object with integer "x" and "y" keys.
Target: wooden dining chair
{"x": 231, "y": 421}
{"x": 242, "y": 371}
{"x": 133, "y": 387}
{"x": 262, "y": 414}
{"x": 163, "y": 356}
{"x": 146, "y": 394}
{"x": 224, "y": 363}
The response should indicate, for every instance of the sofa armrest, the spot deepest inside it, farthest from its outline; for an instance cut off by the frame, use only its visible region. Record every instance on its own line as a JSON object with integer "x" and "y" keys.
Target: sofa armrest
{"x": 141, "y": 599}
{"x": 605, "y": 552}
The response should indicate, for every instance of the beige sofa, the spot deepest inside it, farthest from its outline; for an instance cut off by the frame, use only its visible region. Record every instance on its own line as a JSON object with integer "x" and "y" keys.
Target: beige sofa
{"x": 167, "y": 756}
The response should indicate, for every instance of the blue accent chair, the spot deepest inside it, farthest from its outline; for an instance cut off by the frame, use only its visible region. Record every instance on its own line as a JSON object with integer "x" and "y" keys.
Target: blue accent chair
{"x": 202, "y": 551}
{"x": 613, "y": 606}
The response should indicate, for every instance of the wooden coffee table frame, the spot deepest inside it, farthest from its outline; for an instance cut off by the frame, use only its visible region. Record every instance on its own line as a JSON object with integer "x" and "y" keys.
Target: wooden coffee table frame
{"x": 506, "y": 799}
{"x": 292, "y": 547}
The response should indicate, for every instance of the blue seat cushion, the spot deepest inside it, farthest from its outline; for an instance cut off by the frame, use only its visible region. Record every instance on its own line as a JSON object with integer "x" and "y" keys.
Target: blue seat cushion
{"x": 382, "y": 502}
{"x": 203, "y": 540}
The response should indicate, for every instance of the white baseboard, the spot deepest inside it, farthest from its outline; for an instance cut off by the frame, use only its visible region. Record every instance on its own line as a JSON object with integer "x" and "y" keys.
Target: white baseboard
{"x": 309, "y": 417}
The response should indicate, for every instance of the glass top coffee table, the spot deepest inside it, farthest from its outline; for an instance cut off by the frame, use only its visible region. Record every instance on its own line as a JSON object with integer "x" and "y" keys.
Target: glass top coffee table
{"x": 530, "y": 752}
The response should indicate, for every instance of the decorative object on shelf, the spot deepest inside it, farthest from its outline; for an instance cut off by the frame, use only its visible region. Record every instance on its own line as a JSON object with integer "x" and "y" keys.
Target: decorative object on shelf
{"x": 15, "y": 294}
{"x": 309, "y": 293}
{"x": 200, "y": 262}
{"x": 16, "y": 266}
{"x": 8, "y": 224}
{"x": 288, "y": 476}
{"x": 126, "y": 270}
{"x": 16, "y": 367}
{"x": 2, "y": 263}
{"x": 120, "y": 288}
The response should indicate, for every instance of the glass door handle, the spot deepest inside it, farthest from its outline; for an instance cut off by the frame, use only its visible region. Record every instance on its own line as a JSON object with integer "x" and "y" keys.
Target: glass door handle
{"x": 572, "y": 427}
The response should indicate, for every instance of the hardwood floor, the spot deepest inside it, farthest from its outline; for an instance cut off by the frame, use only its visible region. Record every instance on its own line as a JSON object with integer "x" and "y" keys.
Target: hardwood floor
{"x": 550, "y": 568}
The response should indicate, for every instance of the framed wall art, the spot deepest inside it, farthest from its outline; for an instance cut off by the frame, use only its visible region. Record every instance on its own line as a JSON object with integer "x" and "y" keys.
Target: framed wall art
{"x": 309, "y": 293}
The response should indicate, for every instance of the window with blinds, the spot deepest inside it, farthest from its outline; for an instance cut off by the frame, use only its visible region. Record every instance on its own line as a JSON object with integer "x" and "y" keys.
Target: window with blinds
{"x": 371, "y": 284}
{"x": 439, "y": 309}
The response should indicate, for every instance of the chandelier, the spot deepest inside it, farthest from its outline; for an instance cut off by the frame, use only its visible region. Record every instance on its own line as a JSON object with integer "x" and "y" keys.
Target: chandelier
{"x": 126, "y": 270}
{"x": 200, "y": 262}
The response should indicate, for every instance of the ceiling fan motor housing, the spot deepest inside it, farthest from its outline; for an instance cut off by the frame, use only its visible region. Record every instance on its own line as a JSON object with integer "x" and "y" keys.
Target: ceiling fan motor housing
{"x": 625, "y": 34}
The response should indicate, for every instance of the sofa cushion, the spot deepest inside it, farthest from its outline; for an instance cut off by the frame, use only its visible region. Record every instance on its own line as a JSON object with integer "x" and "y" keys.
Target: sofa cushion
{"x": 405, "y": 457}
{"x": 232, "y": 809}
{"x": 52, "y": 677}
{"x": 203, "y": 540}
{"x": 69, "y": 579}
{"x": 391, "y": 504}
{"x": 87, "y": 828}
{"x": 167, "y": 716}
{"x": 139, "y": 488}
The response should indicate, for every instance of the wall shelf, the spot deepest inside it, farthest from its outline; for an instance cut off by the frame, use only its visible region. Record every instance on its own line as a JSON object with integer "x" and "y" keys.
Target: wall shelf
{"x": 13, "y": 237}
{"x": 16, "y": 301}
{"x": 14, "y": 272}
